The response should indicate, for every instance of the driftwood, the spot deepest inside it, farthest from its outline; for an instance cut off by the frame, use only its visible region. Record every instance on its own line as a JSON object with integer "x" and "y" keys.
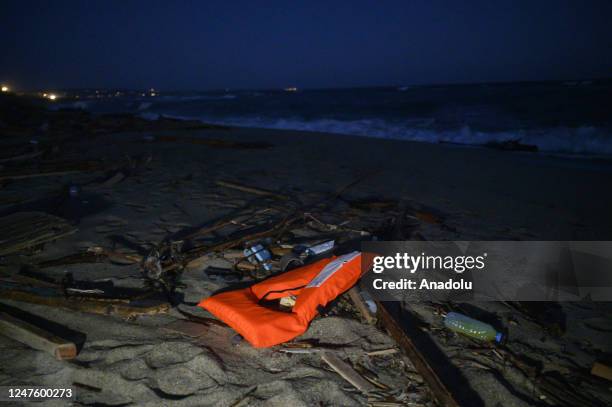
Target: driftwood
{"x": 275, "y": 229}
{"x": 601, "y": 370}
{"x": 25, "y": 156}
{"x": 51, "y": 169}
{"x": 41, "y": 284}
{"x": 210, "y": 229}
{"x": 23, "y": 230}
{"x": 382, "y": 352}
{"x": 114, "y": 179}
{"x": 92, "y": 255}
{"x": 438, "y": 388}
{"x": 79, "y": 258}
{"x": 360, "y": 304}
{"x": 347, "y": 372}
{"x": 122, "y": 307}
{"x": 250, "y": 230}
{"x": 36, "y": 337}
{"x": 40, "y": 333}
{"x": 251, "y": 190}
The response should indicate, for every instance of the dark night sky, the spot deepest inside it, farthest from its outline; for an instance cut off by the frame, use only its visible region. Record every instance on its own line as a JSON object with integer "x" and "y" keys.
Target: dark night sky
{"x": 208, "y": 44}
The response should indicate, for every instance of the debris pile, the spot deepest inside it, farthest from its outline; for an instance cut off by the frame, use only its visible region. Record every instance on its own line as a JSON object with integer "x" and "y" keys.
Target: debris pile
{"x": 357, "y": 350}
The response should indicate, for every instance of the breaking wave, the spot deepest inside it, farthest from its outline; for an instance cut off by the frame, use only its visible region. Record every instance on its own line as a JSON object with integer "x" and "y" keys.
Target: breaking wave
{"x": 581, "y": 140}
{"x": 81, "y": 105}
{"x": 560, "y": 118}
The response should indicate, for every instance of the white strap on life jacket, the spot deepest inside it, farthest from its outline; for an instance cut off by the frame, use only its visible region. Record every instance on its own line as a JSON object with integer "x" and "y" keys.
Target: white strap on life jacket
{"x": 331, "y": 268}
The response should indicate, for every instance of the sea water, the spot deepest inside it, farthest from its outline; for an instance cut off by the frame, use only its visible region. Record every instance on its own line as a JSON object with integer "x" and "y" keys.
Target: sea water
{"x": 555, "y": 117}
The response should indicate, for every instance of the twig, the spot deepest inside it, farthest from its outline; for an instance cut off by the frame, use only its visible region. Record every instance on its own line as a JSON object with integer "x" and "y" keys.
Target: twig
{"x": 382, "y": 352}
{"x": 22, "y": 157}
{"x": 347, "y": 372}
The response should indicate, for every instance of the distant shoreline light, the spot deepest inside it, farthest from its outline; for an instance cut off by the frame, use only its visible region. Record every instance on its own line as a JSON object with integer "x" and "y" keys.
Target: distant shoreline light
{"x": 5, "y": 88}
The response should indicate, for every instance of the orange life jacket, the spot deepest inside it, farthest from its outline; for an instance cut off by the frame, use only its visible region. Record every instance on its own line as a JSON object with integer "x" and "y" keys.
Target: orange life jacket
{"x": 314, "y": 285}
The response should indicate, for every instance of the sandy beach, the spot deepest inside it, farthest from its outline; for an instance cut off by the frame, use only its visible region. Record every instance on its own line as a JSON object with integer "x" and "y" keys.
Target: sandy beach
{"x": 460, "y": 193}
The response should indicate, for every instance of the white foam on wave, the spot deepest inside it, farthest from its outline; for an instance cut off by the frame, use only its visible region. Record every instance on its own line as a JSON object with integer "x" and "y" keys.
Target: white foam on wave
{"x": 584, "y": 140}
{"x": 149, "y": 116}
{"x": 81, "y": 105}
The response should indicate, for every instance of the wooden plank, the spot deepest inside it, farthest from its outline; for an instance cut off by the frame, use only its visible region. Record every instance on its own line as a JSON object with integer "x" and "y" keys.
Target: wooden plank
{"x": 361, "y": 306}
{"x": 438, "y": 388}
{"x": 347, "y": 372}
{"x": 36, "y": 337}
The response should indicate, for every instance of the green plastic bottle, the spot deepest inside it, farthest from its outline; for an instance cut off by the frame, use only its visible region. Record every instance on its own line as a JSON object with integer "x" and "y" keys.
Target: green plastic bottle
{"x": 472, "y": 327}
